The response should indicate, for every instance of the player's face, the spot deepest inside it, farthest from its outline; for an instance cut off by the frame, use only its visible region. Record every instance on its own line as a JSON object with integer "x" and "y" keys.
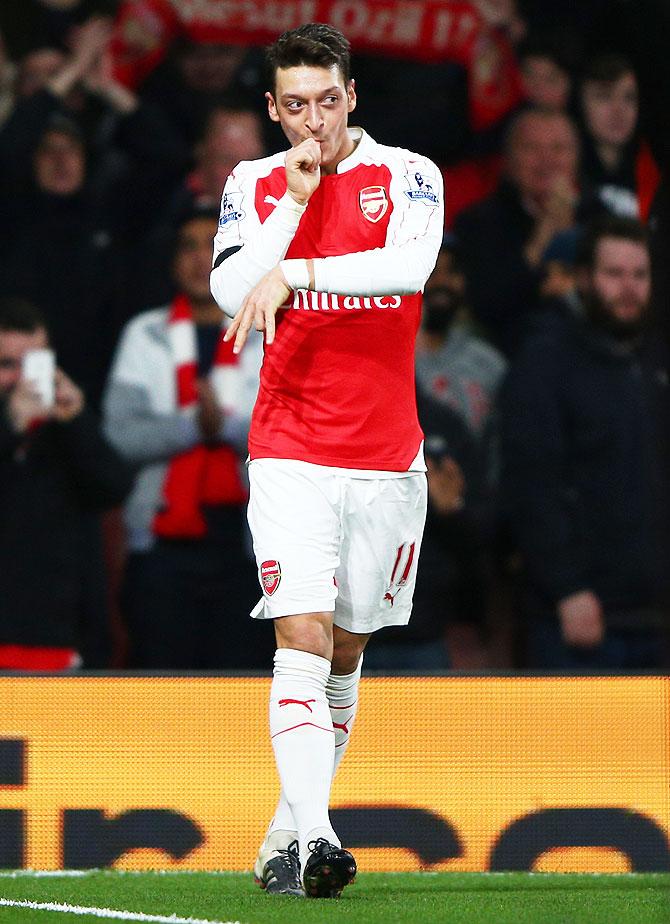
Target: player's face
{"x": 619, "y": 285}
{"x": 314, "y": 102}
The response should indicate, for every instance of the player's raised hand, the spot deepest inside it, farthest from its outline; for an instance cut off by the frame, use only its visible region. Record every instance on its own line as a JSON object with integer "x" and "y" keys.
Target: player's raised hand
{"x": 303, "y": 170}
{"x": 259, "y": 309}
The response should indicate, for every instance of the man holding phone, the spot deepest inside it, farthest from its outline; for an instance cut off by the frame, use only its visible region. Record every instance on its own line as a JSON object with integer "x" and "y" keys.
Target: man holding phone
{"x": 36, "y": 390}
{"x": 57, "y": 473}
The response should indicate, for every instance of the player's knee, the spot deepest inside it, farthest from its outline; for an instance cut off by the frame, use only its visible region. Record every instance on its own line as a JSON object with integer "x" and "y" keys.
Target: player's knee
{"x": 311, "y": 632}
{"x": 347, "y": 650}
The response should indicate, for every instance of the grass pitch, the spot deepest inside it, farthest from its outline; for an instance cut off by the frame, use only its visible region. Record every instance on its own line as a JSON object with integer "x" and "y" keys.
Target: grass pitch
{"x": 452, "y": 898}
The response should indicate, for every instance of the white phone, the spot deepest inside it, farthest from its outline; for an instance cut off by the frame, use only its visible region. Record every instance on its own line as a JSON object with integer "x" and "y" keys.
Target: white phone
{"x": 39, "y": 367}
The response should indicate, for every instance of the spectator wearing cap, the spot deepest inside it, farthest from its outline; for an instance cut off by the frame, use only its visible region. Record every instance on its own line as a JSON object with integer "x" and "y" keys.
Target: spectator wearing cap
{"x": 177, "y": 406}
{"x": 559, "y": 275}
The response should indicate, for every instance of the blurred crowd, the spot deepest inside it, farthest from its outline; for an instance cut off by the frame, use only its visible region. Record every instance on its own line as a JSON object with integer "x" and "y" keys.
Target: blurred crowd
{"x": 542, "y": 360}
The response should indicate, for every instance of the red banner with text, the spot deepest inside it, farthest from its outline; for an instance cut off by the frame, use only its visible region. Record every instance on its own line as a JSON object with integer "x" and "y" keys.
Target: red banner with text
{"x": 421, "y": 30}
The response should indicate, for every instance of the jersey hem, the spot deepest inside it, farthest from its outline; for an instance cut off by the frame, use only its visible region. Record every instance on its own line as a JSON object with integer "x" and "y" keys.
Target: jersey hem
{"x": 333, "y": 462}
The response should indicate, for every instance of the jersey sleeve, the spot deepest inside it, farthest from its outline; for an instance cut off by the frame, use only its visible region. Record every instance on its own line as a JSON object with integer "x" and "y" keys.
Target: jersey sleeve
{"x": 244, "y": 248}
{"x": 413, "y": 239}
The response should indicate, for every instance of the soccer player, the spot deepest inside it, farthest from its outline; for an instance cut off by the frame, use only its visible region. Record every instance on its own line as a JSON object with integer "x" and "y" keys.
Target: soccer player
{"x": 340, "y": 233}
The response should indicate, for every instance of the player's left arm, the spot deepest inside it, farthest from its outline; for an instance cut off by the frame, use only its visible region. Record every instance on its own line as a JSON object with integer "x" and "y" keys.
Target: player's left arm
{"x": 404, "y": 263}
{"x": 401, "y": 267}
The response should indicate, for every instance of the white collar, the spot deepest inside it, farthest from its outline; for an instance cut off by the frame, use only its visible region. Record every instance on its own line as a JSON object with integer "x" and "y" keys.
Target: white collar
{"x": 361, "y": 152}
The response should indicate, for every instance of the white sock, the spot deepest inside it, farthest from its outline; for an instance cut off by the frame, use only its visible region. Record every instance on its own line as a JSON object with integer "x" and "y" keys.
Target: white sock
{"x": 342, "y": 694}
{"x": 283, "y": 820}
{"x": 303, "y": 741}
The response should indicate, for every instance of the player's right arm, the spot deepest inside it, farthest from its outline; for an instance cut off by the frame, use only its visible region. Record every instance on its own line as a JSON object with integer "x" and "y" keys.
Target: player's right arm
{"x": 246, "y": 250}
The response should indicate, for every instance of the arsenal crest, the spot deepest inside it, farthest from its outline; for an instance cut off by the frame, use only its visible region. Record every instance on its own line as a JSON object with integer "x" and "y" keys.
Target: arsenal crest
{"x": 270, "y": 576}
{"x": 373, "y": 202}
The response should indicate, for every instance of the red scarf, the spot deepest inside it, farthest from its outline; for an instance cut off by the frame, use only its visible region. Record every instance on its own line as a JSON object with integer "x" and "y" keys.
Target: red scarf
{"x": 204, "y": 475}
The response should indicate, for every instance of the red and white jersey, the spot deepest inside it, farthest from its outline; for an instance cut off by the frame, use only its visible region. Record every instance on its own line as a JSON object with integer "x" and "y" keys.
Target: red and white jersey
{"x": 337, "y": 385}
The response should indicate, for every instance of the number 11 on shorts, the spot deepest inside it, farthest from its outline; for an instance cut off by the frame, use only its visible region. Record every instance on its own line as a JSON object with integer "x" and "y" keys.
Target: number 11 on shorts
{"x": 404, "y": 558}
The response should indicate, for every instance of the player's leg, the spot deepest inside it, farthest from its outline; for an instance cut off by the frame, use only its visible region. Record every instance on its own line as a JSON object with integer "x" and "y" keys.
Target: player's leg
{"x": 302, "y": 740}
{"x": 300, "y": 722}
{"x": 293, "y": 514}
{"x": 342, "y": 686}
{"x": 342, "y": 696}
{"x": 383, "y": 522}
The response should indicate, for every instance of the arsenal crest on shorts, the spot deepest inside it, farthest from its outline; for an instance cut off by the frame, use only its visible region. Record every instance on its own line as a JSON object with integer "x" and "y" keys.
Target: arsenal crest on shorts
{"x": 373, "y": 202}
{"x": 270, "y": 576}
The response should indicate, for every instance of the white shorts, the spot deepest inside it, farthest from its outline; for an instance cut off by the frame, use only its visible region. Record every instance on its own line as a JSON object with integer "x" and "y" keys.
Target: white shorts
{"x": 328, "y": 542}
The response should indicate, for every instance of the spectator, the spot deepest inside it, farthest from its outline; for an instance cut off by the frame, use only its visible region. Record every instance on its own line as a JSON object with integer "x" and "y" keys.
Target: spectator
{"x": 450, "y": 595}
{"x": 31, "y": 24}
{"x": 585, "y": 419}
{"x": 615, "y": 163}
{"x": 558, "y": 265}
{"x": 453, "y": 365}
{"x": 503, "y": 238}
{"x": 232, "y": 134}
{"x": 49, "y": 81}
{"x": 178, "y": 405}
{"x": 81, "y": 270}
{"x": 461, "y": 373}
{"x": 129, "y": 141}
{"x": 546, "y": 74}
{"x": 196, "y": 78}
{"x": 7, "y": 83}
{"x": 57, "y": 473}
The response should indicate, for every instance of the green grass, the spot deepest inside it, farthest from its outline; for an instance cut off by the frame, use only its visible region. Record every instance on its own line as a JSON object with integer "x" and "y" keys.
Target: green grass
{"x": 452, "y": 898}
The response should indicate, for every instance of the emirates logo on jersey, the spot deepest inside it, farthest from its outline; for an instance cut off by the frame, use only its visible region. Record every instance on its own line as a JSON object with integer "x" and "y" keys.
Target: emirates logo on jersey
{"x": 270, "y": 576}
{"x": 373, "y": 202}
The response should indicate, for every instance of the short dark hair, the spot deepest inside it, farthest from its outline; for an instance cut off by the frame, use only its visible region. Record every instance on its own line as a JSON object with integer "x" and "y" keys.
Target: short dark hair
{"x": 228, "y": 104}
{"x": 543, "y": 45}
{"x": 607, "y": 68}
{"x": 612, "y": 226}
{"x": 192, "y": 211}
{"x": 60, "y": 124}
{"x": 314, "y": 44}
{"x": 18, "y": 314}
